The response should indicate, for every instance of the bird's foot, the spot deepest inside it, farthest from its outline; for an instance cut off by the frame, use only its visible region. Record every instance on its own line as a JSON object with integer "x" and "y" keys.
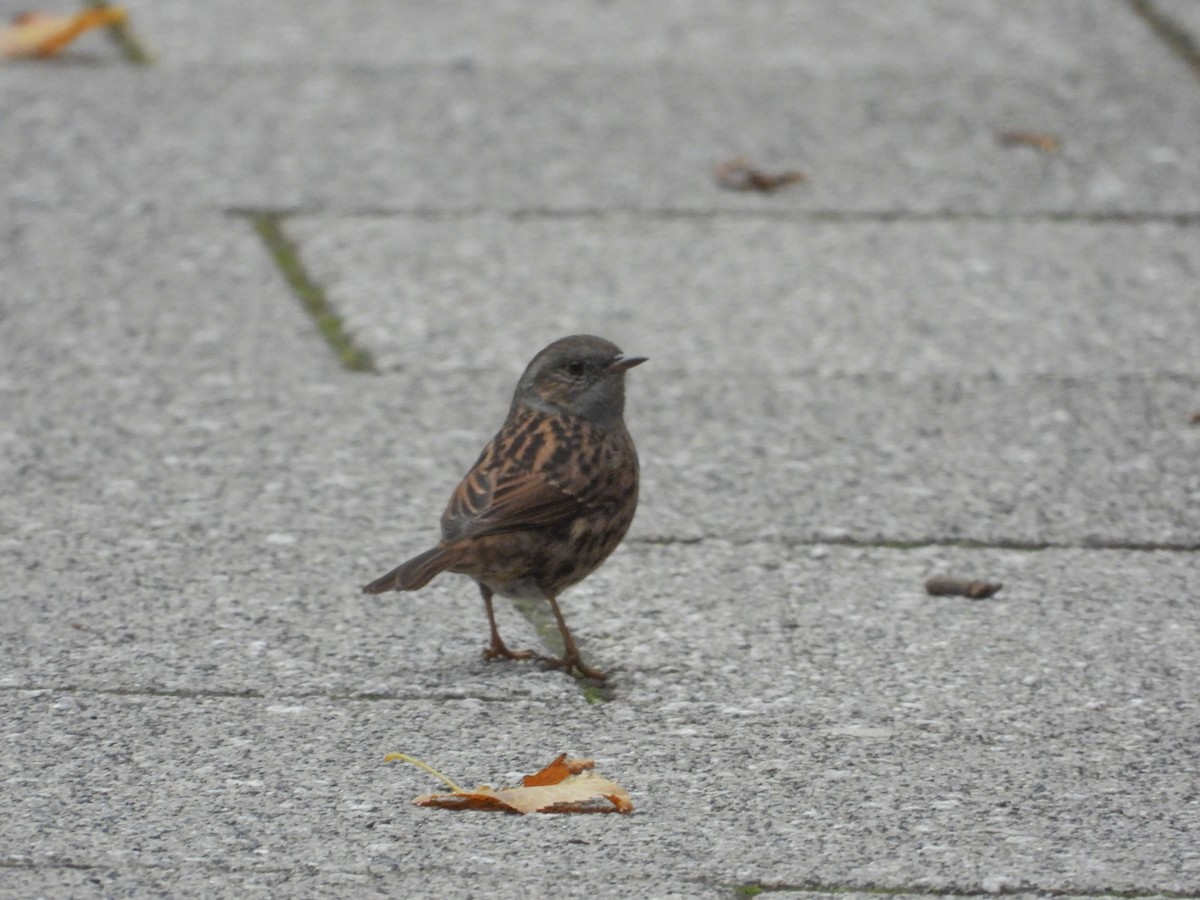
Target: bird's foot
{"x": 499, "y": 650}
{"x": 573, "y": 661}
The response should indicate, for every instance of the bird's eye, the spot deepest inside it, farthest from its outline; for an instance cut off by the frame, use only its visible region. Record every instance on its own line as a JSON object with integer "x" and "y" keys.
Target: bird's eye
{"x": 575, "y": 368}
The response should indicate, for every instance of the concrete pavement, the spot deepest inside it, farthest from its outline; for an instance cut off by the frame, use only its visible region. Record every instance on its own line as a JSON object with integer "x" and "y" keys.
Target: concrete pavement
{"x": 939, "y": 354}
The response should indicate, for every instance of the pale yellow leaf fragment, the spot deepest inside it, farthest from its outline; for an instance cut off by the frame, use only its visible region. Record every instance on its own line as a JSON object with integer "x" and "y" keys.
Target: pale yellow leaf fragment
{"x": 44, "y": 34}
{"x": 586, "y": 793}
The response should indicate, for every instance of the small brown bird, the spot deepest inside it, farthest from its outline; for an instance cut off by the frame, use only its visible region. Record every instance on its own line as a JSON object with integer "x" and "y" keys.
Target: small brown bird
{"x": 550, "y": 497}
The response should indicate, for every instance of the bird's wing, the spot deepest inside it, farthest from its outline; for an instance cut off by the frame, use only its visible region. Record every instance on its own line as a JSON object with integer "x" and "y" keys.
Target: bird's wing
{"x": 503, "y": 496}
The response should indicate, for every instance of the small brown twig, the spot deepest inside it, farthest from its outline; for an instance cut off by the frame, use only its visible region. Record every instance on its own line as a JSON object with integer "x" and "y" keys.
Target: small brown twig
{"x": 1046, "y": 143}
{"x": 739, "y": 175}
{"x": 945, "y": 586}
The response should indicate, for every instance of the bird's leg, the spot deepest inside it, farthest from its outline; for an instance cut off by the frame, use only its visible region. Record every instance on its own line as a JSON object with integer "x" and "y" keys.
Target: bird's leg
{"x": 498, "y": 648}
{"x": 570, "y": 658}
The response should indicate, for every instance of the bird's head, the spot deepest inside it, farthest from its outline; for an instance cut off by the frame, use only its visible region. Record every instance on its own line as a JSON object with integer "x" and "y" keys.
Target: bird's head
{"x": 580, "y": 375}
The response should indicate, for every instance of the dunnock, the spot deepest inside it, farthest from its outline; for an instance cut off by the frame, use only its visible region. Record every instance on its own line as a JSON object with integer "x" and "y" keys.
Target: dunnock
{"x": 550, "y": 497}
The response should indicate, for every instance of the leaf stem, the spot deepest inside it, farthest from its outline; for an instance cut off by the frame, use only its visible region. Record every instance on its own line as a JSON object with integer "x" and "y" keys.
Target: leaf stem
{"x": 412, "y": 760}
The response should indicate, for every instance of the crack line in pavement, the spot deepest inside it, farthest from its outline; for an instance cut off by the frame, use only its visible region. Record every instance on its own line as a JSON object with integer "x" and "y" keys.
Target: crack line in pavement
{"x": 131, "y": 46}
{"x": 886, "y": 216}
{"x": 174, "y": 865}
{"x": 310, "y": 294}
{"x": 745, "y": 889}
{"x": 754, "y": 888}
{"x": 923, "y": 543}
{"x": 251, "y": 694}
{"x": 1170, "y": 32}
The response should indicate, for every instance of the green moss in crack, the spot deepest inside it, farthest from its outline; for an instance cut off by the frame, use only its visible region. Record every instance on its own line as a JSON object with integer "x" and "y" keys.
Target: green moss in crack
{"x": 1170, "y": 32}
{"x": 539, "y": 616}
{"x": 310, "y": 294}
{"x": 123, "y": 36}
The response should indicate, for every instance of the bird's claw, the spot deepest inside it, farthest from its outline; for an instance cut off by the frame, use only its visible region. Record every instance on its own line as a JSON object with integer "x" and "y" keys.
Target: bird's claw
{"x": 500, "y": 651}
{"x": 567, "y": 663}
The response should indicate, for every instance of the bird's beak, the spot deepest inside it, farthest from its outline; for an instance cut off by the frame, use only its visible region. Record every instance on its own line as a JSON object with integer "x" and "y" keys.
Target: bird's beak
{"x": 621, "y": 363}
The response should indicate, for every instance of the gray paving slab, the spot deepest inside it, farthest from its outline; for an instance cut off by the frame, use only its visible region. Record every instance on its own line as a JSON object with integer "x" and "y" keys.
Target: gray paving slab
{"x": 1028, "y": 463}
{"x": 749, "y": 457}
{"x": 217, "y": 137}
{"x": 903, "y": 298}
{"x": 934, "y": 371}
{"x": 127, "y": 300}
{"x": 894, "y": 143}
{"x": 575, "y": 137}
{"x": 725, "y": 630}
{"x": 850, "y": 797}
{"x": 822, "y": 37}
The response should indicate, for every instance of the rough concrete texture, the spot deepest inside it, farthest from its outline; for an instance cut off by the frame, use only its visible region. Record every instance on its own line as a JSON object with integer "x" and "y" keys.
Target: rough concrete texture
{"x": 938, "y": 355}
{"x": 595, "y": 105}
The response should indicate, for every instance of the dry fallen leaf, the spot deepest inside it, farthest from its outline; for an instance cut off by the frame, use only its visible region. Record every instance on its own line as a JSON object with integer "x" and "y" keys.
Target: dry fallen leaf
{"x": 739, "y": 175}
{"x": 559, "y": 770}
{"x": 943, "y": 586}
{"x": 43, "y": 34}
{"x": 1046, "y": 143}
{"x": 564, "y": 786}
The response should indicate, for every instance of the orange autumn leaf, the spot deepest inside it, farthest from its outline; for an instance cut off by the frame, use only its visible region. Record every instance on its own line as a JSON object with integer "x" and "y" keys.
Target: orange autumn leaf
{"x": 43, "y": 34}
{"x": 586, "y": 793}
{"x": 558, "y": 771}
{"x": 563, "y": 786}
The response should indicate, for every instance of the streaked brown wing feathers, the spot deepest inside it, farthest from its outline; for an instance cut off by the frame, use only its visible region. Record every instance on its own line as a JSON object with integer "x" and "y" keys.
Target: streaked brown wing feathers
{"x": 489, "y": 502}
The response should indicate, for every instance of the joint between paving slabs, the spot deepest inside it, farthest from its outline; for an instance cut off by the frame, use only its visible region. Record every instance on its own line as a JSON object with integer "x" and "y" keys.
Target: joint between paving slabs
{"x": 132, "y": 48}
{"x": 757, "y": 888}
{"x": 1013, "y": 545}
{"x": 286, "y": 255}
{"x": 167, "y": 867}
{"x": 1170, "y": 32}
{"x": 252, "y": 694}
{"x": 177, "y": 693}
{"x": 1183, "y": 219}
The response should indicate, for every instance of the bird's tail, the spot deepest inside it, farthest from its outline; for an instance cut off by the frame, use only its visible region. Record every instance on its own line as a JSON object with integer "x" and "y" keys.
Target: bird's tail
{"x": 417, "y": 572}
